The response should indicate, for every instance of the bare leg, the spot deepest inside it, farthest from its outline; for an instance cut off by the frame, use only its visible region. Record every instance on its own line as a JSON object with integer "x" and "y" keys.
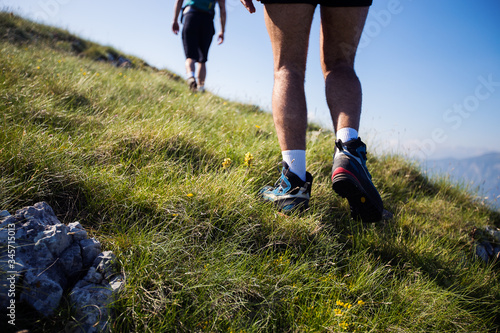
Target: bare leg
{"x": 288, "y": 27}
{"x": 190, "y": 63}
{"x": 340, "y": 33}
{"x": 201, "y": 73}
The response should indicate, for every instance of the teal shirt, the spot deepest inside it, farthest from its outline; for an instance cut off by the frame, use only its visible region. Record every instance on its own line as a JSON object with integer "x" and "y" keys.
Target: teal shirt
{"x": 206, "y": 5}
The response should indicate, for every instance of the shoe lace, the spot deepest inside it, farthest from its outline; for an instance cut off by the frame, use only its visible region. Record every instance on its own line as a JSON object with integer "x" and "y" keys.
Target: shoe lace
{"x": 278, "y": 185}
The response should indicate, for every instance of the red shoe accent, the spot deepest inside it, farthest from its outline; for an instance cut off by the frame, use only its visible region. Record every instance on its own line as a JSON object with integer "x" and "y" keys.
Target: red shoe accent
{"x": 340, "y": 170}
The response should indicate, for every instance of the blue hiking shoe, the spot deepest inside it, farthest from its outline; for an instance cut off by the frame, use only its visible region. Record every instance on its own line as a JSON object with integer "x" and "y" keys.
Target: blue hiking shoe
{"x": 351, "y": 180}
{"x": 290, "y": 192}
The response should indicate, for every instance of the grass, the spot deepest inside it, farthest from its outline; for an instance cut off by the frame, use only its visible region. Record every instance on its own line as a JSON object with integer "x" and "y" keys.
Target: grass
{"x": 138, "y": 160}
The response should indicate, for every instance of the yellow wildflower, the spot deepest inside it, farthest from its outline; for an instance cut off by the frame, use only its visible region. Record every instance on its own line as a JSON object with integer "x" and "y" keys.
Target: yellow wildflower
{"x": 338, "y": 312}
{"x": 257, "y": 126}
{"x": 227, "y": 163}
{"x": 248, "y": 159}
{"x": 190, "y": 195}
{"x": 360, "y": 302}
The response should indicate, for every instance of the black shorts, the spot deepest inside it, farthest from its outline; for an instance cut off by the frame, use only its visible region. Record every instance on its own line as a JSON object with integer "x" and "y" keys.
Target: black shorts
{"x": 197, "y": 35}
{"x": 327, "y": 3}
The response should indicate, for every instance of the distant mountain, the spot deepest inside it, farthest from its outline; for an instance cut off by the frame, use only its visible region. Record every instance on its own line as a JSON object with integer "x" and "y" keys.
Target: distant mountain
{"x": 481, "y": 174}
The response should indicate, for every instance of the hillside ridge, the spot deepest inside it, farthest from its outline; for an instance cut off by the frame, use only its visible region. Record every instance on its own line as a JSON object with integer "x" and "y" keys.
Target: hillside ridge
{"x": 163, "y": 178}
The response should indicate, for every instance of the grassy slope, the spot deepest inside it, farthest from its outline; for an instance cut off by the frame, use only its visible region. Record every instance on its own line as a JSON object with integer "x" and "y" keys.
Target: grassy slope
{"x": 138, "y": 160}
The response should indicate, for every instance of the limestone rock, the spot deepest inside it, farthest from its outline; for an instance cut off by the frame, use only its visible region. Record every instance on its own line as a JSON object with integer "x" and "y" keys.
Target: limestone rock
{"x": 41, "y": 292}
{"x": 49, "y": 257}
{"x": 90, "y": 250}
{"x": 77, "y": 231}
{"x": 55, "y": 237}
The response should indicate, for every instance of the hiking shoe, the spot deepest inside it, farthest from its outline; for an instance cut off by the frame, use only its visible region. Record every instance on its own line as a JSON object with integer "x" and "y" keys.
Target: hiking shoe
{"x": 289, "y": 192}
{"x": 192, "y": 83}
{"x": 351, "y": 180}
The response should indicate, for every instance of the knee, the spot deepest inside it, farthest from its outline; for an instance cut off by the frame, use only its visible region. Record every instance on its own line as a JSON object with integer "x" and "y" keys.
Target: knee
{"x": 343, "y": 68}
{"x": 289, "y": 73}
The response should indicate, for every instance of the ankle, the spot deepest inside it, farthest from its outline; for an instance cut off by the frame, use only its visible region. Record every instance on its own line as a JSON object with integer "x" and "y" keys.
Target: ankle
{"x": 296, "y": 160}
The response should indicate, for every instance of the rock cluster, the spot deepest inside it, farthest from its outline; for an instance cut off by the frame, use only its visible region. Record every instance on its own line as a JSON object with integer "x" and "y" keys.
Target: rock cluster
{"x": 487, "y": 243}
{"x": 49, "y": 258}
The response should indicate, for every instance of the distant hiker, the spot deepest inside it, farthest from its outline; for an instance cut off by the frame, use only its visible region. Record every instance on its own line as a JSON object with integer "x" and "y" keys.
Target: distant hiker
{"x": 197, "y": 17}
{"x": 288, "y": 23}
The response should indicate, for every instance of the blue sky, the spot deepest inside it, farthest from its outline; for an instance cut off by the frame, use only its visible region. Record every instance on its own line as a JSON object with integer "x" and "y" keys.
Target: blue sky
{"x": 430, "y": 69}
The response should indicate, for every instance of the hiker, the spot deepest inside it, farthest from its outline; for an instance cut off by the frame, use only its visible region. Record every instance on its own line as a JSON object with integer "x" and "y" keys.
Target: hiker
{"x": 198, "y": 30}
{"x": 288, "y": 23}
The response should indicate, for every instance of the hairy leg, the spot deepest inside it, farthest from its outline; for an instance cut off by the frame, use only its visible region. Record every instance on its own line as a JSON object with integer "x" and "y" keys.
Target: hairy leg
{"x": 341, "y": 29}
{"x": 288, "y": 26}
{"x": 201, "y": 73}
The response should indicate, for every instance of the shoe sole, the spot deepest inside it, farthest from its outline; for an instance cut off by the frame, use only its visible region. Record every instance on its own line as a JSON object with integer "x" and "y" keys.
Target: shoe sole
{"x": 361, "y": 204}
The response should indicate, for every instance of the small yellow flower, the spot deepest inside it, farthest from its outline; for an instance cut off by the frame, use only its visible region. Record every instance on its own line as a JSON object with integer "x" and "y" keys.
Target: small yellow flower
{"x": 37, "y": 67}
{"x": 174, "y": 215}
{"x": 225, "y": 103}
{"x": 248, "y": 159}
{"x": 338, "y": 312}
{"x": 84, "y": 73}
{"x": 344, "y": 325}
{"x": 190, "y": 195}
{"x": 257, "y": 126}
{"x": 227, "y": 163}
{"x": 360, "y": 302}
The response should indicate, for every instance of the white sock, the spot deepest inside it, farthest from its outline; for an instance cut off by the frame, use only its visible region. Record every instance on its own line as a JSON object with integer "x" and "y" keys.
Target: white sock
{"x": 296, "y": 160}
{"x": 346, "y": 134}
